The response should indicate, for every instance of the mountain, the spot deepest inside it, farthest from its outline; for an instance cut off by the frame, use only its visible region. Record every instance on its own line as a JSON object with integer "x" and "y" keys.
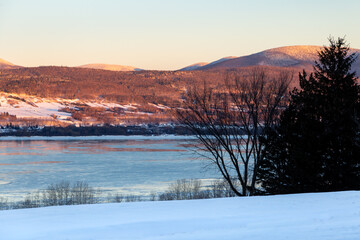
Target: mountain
{"x": 292, "y": 56}
{"x": 197, "y": 66}
{"x": 302, "y": 57}
{"x": 7, "y": 65}
{"x": 194, "y": 66}
{"x": 220, "y": 61}
{"x": 111, "y": 67}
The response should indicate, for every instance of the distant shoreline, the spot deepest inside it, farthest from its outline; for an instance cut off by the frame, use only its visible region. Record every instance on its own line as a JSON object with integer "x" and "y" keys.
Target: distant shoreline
{"x": 85, "y": 131}
{"x": 101, "y": 137}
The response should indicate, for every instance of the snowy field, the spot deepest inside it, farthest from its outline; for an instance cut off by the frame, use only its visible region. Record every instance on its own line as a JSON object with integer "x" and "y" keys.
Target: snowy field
{"x": 28, "y": 106}
{"x": 298, "y": 216}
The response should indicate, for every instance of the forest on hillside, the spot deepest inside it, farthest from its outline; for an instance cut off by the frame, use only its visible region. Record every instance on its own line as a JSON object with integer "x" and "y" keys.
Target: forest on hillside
{"x": 155, "y": 94}
{"x": 160, "y": 87}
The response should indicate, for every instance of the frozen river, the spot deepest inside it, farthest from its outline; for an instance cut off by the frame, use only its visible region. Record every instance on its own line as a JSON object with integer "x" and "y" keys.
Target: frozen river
{"x": 125, "y": 164}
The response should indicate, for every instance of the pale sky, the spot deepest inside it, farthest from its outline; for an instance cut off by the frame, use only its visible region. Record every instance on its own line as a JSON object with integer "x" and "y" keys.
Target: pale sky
{"x": 165, "y": 34}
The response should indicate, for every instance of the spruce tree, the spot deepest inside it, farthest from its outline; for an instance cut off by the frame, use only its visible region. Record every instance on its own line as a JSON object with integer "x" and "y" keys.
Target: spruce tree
{"x": 316, "y": 145}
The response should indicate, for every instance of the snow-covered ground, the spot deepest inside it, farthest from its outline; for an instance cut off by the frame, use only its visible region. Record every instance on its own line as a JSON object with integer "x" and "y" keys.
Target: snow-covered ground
{"x": 31, "y": 106}
{"x": 27, "y": 106}
{"x": 298, "y": 216}
{"x": 35, "y": 110}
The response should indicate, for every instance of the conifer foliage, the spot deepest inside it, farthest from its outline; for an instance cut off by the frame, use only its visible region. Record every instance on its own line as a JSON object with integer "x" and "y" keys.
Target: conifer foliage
{"x": 316, "y": 146}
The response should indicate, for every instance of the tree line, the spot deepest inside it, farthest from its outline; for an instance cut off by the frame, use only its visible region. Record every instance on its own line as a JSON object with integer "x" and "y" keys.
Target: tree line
{"x": 80, "y": 192}
{"x": 159, "y": 87}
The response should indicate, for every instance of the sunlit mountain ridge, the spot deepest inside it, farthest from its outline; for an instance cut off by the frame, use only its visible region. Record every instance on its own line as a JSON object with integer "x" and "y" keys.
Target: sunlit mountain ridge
{"x": 302, "y": 56}
{"x": 7, "y": 65}
{"x": 111, "y": 67}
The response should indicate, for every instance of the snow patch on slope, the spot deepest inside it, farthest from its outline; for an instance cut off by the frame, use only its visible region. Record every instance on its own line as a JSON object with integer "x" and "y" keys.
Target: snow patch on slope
{"x": 31, "y": 107}
{"x": 301, "y": 52}
{"x": 26, "y": 106}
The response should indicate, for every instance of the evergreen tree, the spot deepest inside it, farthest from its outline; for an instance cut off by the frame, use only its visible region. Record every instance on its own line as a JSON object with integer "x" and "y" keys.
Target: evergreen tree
{"x": 316, "y": 146}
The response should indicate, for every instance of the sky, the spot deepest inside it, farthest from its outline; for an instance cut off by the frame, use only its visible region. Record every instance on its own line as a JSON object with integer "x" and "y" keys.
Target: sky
{"x": 165, "y": 34}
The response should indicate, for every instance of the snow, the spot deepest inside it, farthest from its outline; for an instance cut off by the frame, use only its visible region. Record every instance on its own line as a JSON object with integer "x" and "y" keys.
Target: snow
{"x": 299, "y": 52}
{"x": 299, "y": 216}
{"x": 35, "y": 109}
{"x": 107, "y": 105}
{"x": 160, "y": 106}
{"x": 27, "y": 106}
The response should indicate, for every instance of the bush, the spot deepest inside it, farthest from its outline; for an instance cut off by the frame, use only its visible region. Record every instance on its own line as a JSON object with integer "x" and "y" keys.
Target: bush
{"x": 4, "y": 204}
{"x": 192, "y": 189}
{"x": 31, "y": 201}
{"x": 221, "y": 189}
{"x": 182, "y": 189}
{"x": 58, "y": 194}
{"x": 65, "y": 193}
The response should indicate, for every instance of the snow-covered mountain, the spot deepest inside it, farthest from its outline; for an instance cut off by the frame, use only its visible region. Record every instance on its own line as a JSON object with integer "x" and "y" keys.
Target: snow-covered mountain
{"x": 291, "y": 56}
{"x": 111, "y": 67}
{"x": 7, "y": 65}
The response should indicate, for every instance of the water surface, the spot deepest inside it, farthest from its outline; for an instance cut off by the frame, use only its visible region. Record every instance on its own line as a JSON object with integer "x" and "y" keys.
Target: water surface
{"x": 129, "y": 165}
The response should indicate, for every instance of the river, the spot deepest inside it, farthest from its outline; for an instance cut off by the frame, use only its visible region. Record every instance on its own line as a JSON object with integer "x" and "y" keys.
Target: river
{"x": 137, "y": 165}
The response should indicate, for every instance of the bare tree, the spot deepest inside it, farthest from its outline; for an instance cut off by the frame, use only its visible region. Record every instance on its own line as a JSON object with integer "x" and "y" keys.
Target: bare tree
{"x": 64, "y": 193}
{"x": 230, "y": 122}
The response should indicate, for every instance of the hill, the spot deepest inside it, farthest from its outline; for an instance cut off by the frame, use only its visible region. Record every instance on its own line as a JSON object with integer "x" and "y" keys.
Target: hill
{"x": 281, "y": 57}
{"x": 320, "y": 216}
{"x": 87, "y": 96}
{"x": 110, "y": 67}
{"x": 59, "y": 96}
{"x": 200, "y": 65}
{"x": 194, "y": 66}
{"x": 301, "y": 57}
{"x": 68, "y": 95}
{"x": 7, "y": 65}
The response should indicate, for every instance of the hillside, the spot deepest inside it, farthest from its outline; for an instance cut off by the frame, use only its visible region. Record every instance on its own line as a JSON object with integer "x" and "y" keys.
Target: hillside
{"x": 197, "y": 66}
{"x": 194, "y": 66}
{"x": 7, "y": 65}
{"x": 68, "y": 95}
{"x": 282, "y": 57}
{"x": 60, "y": 96}
{"x": 320, "y": 216}
{"x": 86, "y": 96}
{"x": 110, "y": 67}
{"x": 293, "y": 56}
